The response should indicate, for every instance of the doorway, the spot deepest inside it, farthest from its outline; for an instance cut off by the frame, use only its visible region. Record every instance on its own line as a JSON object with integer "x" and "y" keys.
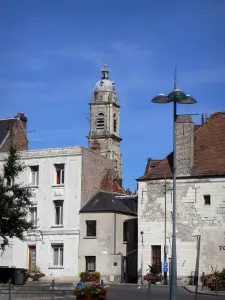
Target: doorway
{"x": 32, "y": 257}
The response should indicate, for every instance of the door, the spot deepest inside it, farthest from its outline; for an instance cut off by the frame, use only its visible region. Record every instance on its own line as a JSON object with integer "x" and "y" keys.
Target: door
{"x": 32, "y": 257}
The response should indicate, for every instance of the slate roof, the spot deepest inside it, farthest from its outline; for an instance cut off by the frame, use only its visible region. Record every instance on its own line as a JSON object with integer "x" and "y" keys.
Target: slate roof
{"x": 106, "y": 202}
{"x": 4, "y": 129}
{"x": 209, "y": 151}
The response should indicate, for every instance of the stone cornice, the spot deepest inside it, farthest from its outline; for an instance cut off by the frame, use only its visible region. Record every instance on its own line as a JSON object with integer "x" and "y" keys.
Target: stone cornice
{"x": 49, "y": 152}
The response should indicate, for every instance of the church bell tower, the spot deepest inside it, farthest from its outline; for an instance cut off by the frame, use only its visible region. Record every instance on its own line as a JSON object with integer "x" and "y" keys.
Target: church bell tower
{"x": 105, "y": 121}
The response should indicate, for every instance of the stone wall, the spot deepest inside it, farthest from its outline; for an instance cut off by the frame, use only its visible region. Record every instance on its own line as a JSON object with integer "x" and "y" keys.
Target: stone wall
{"x": 185, "y": 145}
{"x": 193, "y": 217}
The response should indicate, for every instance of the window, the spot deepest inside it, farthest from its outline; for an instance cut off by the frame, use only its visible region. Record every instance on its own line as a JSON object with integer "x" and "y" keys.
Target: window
{"x": 90, "y": 263}
{"x": 58, "y": 212}
{"x": 114, "y": 123}
{"x": 57, "y": 255}
{"x": 34, "y": 175}
{"x": 33, "y": 215}
{"x": 91, "y": 228}
{"x": 207, "y": 199}
{"x": 100, "y": 121}
{"x": 156, "y": 258}
{"x": 125, "y": 231}
{"x": 60, "y": 176}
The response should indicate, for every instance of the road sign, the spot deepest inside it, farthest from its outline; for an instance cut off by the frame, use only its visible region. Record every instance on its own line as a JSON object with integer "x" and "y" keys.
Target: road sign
{"x": 79, "y": 284}
{"x": 165, "y": 270}
{"x": 166, "y": 265}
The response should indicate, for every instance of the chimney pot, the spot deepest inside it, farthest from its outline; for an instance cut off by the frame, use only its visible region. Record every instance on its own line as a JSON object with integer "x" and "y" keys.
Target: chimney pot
{"x": 21, "y": 116}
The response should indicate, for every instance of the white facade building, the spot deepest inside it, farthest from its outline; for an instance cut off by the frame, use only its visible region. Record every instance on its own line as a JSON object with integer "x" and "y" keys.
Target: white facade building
{"x": 200, "y": 200}
{"x": 62, "y": 181}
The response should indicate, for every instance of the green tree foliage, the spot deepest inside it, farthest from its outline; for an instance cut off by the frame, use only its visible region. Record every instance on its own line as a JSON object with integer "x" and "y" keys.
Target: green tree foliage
{"x": 14, "y": 200}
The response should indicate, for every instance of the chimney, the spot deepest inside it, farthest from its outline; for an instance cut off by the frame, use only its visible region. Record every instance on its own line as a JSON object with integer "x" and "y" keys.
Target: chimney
{"x": 184, "y": 145}
{"x": 23, "y": 119}
{"x": 96, "y": 146}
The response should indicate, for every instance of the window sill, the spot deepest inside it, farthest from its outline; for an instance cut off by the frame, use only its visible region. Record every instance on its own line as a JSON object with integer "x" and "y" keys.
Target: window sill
{"x": 57, "y": 226}
{"x": 90, "y": 237}
{"x": 34, "y": 186}
{"x": 125, "y": 242}
{"x": 56, "y": 267}
{"x": 58, "y": 185}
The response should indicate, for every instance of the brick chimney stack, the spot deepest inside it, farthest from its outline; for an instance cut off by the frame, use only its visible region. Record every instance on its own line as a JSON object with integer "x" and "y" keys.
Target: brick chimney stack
{"x": 23, "y": 119}
{"x": 185, "y": 145}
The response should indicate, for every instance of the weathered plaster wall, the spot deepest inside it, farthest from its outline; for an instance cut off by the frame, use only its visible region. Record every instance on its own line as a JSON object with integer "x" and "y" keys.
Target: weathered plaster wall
{"x": 193, "y": 217}
{"x": 102, "y": 246}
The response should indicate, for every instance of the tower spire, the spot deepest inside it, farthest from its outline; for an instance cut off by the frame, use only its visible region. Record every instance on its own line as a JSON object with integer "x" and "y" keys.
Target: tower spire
{"x": 105, "y": 72}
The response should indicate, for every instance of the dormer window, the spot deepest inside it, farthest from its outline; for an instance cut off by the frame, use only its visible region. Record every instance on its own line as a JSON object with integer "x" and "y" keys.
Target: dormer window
{"x": 100, "y": 121}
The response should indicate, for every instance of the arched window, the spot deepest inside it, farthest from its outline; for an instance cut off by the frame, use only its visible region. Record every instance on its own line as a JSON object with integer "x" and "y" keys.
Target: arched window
{"x": 100, "y": 121}
{"x": 114, "y": 123}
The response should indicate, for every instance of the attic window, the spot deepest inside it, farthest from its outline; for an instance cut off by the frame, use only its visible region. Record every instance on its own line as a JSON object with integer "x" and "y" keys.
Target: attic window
{"x": 100, "y": 121}
{"x": 207, "y": 199}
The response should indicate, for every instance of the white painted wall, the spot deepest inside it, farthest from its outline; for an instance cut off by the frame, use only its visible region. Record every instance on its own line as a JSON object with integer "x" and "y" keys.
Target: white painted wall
{"x": 44, "y": 194}
{"x": 193, "y": 217}
{"x": 103, "y": 245}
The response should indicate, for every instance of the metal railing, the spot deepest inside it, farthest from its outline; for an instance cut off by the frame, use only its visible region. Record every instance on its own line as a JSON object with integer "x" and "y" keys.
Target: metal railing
{"x": 35, "y": 290}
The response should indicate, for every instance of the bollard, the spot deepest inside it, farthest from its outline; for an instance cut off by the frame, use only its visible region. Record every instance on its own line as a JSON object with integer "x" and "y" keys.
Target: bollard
{"x": 10, "y": 289}
{"x": 53, "y": 289}
{"x": 149, "y": 290}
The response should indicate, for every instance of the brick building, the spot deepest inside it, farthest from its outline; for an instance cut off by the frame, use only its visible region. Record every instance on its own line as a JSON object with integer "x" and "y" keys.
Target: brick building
{"x": 200, "y": 199}
{"x": 14, "y": 131}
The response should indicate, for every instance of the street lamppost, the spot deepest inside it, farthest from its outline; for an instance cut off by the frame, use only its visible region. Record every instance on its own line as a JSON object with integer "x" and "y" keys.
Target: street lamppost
{"x": 176, "y": 97}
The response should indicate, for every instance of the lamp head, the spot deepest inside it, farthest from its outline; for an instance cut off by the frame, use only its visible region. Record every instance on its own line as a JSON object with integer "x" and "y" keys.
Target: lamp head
{"x": 161, "y": 99}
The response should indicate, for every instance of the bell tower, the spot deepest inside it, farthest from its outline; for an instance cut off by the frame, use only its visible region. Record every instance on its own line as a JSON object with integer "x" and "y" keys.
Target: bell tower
{"x": 105, "y": 121}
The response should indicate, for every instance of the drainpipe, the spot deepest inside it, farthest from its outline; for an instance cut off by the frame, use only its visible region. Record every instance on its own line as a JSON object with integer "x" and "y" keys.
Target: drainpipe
{"x": 114, "y": 242}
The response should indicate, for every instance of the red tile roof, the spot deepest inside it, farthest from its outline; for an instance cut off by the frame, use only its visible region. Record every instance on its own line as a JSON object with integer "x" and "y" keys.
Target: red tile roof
{"x": 209, "y": 151}
{"x": 117, "y": 188}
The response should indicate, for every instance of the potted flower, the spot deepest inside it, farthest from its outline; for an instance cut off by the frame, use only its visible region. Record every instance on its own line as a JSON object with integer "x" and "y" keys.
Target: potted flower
{"x": 152, "y": 275}
{"x": 35, "y": 273}
{"x": 91, "y": 292}
{"x": 90, "y": 277}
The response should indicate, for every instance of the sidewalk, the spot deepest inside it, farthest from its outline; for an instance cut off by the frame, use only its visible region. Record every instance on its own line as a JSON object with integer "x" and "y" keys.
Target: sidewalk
{"x": 191, "y": 289}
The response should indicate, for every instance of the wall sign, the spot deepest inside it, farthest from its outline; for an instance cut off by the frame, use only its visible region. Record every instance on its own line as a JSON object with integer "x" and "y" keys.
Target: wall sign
{"x": 222, "y": 248}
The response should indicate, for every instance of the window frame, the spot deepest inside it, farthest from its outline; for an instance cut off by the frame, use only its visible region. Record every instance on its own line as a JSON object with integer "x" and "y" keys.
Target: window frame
{"x": 125, "y": 231}
{"x": 60, "y": 248}
{"x": 36, "y": 175}
{"x": 58, "y": 205}
{"x": 115, "y": 125}
{"x": 59, "y": 174}
{"x": 34, "y": 209}
{"x": 89, "y": 229}
{"x": 207, "y": 198}
{"x": 100, "y": 122}
{"x": 90, "y": 262}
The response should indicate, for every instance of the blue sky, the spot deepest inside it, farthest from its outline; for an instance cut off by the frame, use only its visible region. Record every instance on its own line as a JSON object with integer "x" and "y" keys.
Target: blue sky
{"x": 51, "y": 54}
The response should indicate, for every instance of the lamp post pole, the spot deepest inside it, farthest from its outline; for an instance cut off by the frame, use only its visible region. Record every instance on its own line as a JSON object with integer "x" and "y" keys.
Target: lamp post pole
{"x": 165, "y": 237}
{"x": 176, "y": 96}
{"x": 173, "y": 285}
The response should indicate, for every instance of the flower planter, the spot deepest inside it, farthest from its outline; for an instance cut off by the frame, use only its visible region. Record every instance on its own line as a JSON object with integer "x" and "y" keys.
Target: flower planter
{"x": 90, "y": 297}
